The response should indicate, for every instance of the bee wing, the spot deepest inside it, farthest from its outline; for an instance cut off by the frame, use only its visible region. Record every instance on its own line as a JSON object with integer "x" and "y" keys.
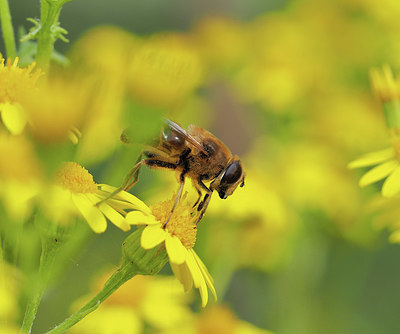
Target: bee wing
{"x": 177, "y": 128}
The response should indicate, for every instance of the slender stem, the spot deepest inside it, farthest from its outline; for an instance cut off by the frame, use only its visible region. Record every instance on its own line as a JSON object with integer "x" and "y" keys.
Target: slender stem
{"x": 115, "y": 281}
{"x": 46, "y": 39}
{"x": 58, "y": 245}
{"x": 135, "y": 261}
{"x": 47, "y": 261}
{"x": 8, "y": 31}
{"x": 49, "y": 14}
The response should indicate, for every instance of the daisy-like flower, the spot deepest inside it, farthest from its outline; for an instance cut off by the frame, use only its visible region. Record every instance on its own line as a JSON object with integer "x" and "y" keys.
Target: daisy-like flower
{"x": 158, "y": 301}
{"x": 164, "y": 70}
{"x": 386, "y": 162}
{"x": 179, "y": 238}
{"x": 76, "y": 194}
{"x": 15, "y": 82}
{"x": 57, "y": 107}
{"x": 20, "y": 176}
{"x": 385, "y": 86}
{"x": 216, "y": 319}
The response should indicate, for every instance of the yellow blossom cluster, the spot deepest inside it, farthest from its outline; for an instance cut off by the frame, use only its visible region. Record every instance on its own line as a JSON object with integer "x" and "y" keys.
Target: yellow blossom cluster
{"x": 288, "y": 90}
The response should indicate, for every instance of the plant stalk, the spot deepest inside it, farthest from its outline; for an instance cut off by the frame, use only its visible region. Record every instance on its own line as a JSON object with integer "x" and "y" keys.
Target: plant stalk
{"x": 8, "y": 30}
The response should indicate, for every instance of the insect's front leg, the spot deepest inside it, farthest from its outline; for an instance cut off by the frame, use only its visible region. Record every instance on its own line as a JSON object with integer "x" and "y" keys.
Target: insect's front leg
{"x": 202, "y": 207}
{"x": 178, "y": 195}
{"x": 133, "y": 175}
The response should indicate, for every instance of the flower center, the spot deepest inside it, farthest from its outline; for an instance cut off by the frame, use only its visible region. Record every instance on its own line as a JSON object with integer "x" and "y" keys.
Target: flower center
{"x": 75, "y": 178}
{"x": 15, "y": 81}
{"x": 182, "y": 222}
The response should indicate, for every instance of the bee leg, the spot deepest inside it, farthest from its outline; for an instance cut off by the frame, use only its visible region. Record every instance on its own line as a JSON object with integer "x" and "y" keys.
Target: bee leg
{"x": 133, "y": 175}
{"x": 204, "y": 203}
{"x": 202, "y": 207}
{"x": 177, "y": 197}
{"x": 198, "y": 199}
{"x": 199, "y": 185}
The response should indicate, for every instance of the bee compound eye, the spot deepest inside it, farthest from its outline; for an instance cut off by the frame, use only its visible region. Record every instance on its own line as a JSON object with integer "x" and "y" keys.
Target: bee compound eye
{"x": 232, "y": 173}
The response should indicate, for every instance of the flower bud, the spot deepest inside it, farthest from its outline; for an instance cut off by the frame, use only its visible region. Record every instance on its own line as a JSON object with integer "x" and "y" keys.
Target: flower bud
{"x": 139, "y": 260}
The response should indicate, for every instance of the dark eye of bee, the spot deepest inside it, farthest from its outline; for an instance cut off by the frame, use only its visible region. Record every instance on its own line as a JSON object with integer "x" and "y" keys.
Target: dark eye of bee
{"x": 173, "y": 138}
{"x": 232, "y": 173}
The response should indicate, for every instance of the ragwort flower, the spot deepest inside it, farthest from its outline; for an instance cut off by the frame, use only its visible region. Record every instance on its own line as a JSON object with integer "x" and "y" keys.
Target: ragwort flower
{"x": 20, "y": 176}
{"x": 57, "y": 107}
{"x": 76, "y": 194}
{"x": 387, "y": 161}
{"x": 14, "y": 83}
{"x": 179, "y": 237}
{"x": 386, "y": 164}
{"x": 164, "y": 70}
{"x": 158, "y": 301}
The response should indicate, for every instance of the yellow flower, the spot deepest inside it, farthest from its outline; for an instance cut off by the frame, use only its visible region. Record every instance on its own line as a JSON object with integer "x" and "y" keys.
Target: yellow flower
{"x": 158, "y": 301}
{"x": 385, "y": 213}
{"x": 57, "y": 107}
{"x": 256, "y": 222}
{"x": 14, "y": 83}
{"x": 101, "y": 56}
{"x": 179, "y": 237}
{"x": 221, "y": 41}
{"x": 218, "y": 319}
{"x": 164, "y": 70}
{"x": 385, "y": 86}
{"x": 76, "y": 194}
{"x": 386, "y": 164}
{"x": 20, "y": 175}
{"x": 104, "y": 52}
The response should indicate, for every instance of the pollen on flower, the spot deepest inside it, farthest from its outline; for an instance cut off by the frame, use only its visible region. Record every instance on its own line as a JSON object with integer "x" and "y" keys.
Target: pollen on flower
{"x": 181, "y": 223}
{"x": 75, "y": 178}
{"x": 15, "y": 81}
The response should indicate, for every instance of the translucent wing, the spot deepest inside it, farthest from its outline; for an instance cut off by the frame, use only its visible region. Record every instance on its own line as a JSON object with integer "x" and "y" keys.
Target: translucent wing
{"x": 177, "y": 128}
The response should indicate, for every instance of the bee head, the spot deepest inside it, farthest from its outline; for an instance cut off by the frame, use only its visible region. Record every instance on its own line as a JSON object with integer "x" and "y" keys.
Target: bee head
{"x": 226, "y": 183}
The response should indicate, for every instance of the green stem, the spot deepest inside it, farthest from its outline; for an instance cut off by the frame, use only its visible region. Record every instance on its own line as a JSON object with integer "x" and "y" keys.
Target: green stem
{"x": 49, "y": 14}
{"x": 58, "y": 245}
{"x": 135, "y": 261}
{"x": 114, "y": 282}
{"x": 47, "y": 260}
{"x": 8, "y": 31}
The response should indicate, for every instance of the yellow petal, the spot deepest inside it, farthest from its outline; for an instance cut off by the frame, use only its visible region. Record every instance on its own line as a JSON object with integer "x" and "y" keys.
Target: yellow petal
{"x": 391, "y": 186}
{"x": 140, "y": 218}
{"x": 378, "y": 173}
{"x": 13, "y": 117}
{"x": 125, "y": 196}
{"x": 176, "y": 251}
{"x": 115, "y": 217}
{"x": 152, "y": 236}
{"x": 198, "y": 278}
{"x": 182, "y": 273}
{"x": 92, "y": 214}
{"x": 209, "y": 280}
{"x": 373, "y": 158}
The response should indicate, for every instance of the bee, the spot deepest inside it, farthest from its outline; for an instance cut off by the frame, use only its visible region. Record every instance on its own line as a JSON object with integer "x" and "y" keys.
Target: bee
{"x": 196, "y": 154}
